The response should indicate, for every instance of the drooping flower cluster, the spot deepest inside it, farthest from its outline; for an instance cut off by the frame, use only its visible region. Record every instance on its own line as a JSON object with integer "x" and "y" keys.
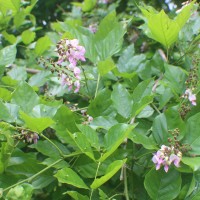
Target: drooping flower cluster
{"x": 87, "y": 117}
{"x": 69, "y": 54}
{"x": 93, "y": 28}
{"x": 189, "y": 96}
{"x": 166, "y": 156}
{"x": 29, "y": 136}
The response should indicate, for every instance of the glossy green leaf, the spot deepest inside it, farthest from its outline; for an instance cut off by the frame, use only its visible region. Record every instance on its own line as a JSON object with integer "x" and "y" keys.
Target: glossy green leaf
{"x": 5, "y": 94}
{"x": 67, "y": 175}
{"x": 162, "y": 185}
{"x": 108, "y": 39}
{"x": 82, "y": 143}
{"x": 9, "y": 37}
{"x": 96, "y": 108}
{"x": 65, "y": 119}
{"x": 113, "y": 168}
{"x": 18, "y": 73}
{"x": 160, "y": 129}
{"x": 36, "y": 124}
{"x": 92, "y": 135}
{"x": 192, "y": 136}
{"x": 4, "y": 114}
{"x": 7, "y": 5}
{"x": 6, "y": 151}
{"x": 175, "y": 78}
{"x": 42, "y": 45}
{"x": 105, "y": 66}
{"x": 23, "y": 192}
{"x": 77, "y": 196}
{"x": 122, "y": 100}
{"x": 194, "y": 163}
{"x": 28, "y": 36}
{"x": 7, "y": 55}
{"x": 145, "y": 141}
{"x": 25, "y": 97}
{"x": 115, "y": 136}
{"x": 162, "y": 28}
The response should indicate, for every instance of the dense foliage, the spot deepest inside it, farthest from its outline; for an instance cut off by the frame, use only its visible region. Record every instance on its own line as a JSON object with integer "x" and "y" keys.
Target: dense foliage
{"x": 99, "y": 100}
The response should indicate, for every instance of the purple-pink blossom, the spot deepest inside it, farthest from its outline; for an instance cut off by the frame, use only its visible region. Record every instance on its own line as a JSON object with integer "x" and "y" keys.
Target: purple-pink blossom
{"x": 165, "y": 157}
{"x": 191, "y": 97}
{"x": 69, "y": 53}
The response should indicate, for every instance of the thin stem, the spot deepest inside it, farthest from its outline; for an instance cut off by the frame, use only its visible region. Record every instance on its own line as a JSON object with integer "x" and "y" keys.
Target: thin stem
{"x": 155, "y": 108}
{"x": 115, "y": 195}
{"x": 61, "y": 153}
{"x": 85, "y": 79}
{"x": 95, "y": 178}
{"x": 98, "y": 79}
{"x": 34, "y": 176}
{"x": 125, "y": 184}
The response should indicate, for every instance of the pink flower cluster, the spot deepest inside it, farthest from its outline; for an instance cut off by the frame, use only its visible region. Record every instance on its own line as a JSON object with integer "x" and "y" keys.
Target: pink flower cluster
{"x": 190, "y": 96}
{"x": 165, "y": 157}
{"x": 71, "y": 52}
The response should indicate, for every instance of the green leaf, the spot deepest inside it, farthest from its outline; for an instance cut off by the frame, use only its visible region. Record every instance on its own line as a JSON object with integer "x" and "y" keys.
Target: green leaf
{"x": 67, "y": 175}
{"x": 162, "y": 28}
{"x": 22, "y": 192}
{"x": 65, "y": 119}
{"x": 5, "y": 94}
{"x": 175, "y": 78}
{"x": 36, "y": 124}
{"x": 91, "y": 135}
{"x": 162, "y": 185}
{"x": 122, "y": 100}
{"x": 42, "y": 45}
{"x": 104, "y": 122}
{"x": 18, "y": 73}
{"x": 82, "y": 143}
{"x": 8, "y": 55}
{"x": 194, "y": 163}
{"x": 109, "y": 37}
{"x": 39, "y": 79}
{"x": 28, "y": 36}
{"x": 113, "y": 168}
{"x": 25, "y": 97}
{"x": 160, "y": 129}
{"x": 9, "y": 37}
{"x": 192, "y": 136}
{"x": 115, "y": 136}
{"x": 7, "y": 5}
{"x": 87, "y": 5}
{"x": 77, "y": 196}
{"x": 105, "y": 66}
{"x": 128, "y": 61}
{"x": 47, "y": 149}
{"x": 6, "y": 151}
{"x": 96, "y": 108}
{"x": 145, "y": 141}
{"x": 4, "y": 114}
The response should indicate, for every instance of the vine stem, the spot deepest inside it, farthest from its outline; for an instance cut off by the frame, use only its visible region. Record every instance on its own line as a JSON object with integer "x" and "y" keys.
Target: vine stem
{"x": 95, "y": 179}
{"x": 46, "y": 138}
{"x": 98, "y": 79}
{"x": 125, "y": 184}
{"x": 85, "y": 79}
{"x": 34, "y": 176}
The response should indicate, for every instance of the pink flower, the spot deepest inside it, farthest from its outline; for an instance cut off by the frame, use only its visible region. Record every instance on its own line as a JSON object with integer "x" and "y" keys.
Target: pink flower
{"x": 191, "y": 97}
{"x": 77, "y": 85}
{"x": 175, "y": 159}
{"x": 77, "y": 72}
{"x": 165, "y": 157}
